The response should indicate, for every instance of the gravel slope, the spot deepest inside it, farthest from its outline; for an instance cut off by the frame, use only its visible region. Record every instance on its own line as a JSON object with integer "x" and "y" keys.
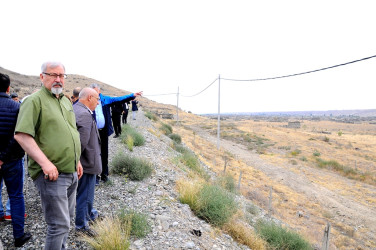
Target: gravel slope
{"x": 156, "y": 197}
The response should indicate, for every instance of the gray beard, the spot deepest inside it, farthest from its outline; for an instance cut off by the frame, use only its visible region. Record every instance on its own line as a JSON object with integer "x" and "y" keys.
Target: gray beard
{"x": 57, "y": 91}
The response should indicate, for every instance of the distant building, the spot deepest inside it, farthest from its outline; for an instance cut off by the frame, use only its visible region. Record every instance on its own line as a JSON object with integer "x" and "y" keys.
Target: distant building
{"x": 295, "y": 124}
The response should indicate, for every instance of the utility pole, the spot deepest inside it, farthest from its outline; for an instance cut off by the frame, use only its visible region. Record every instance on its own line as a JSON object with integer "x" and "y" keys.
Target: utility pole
{"x": 219, "y": 110}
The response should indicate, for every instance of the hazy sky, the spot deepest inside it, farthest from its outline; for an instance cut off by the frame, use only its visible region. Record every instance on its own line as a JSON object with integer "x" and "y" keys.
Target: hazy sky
{"x": 158, "y": 46}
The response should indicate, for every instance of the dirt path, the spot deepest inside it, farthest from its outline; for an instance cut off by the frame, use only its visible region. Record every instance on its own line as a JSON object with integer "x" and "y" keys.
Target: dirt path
{"x": 343, "y": 207}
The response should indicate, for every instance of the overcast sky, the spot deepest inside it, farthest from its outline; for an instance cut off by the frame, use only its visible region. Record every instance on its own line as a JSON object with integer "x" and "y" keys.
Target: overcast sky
{"x": 158, "y": 46}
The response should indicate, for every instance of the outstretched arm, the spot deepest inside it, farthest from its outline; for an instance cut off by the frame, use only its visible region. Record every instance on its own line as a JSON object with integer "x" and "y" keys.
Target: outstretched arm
{"x": 105, "y": 99}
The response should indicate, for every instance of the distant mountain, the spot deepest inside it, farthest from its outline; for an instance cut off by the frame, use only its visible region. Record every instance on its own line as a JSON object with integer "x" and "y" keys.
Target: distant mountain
{"x": 328, "y": 113}
{"x": 356, "y": 112}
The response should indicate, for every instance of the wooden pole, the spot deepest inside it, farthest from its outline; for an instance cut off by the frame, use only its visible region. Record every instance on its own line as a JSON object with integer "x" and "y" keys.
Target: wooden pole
{"x": 224, "y": 168}
{"x": 325, "y": 241}
{"x": 240, "y": 178}
{"x": 219, "y": 111}
{"x": 177, "y": 106}
{"x": 270, "y": 201}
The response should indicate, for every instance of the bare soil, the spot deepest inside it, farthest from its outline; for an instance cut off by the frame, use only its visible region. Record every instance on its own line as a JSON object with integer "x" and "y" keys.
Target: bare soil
{"x": 354, "y": 219}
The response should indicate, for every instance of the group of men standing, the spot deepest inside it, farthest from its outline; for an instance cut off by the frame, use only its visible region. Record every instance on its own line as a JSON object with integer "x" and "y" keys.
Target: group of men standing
{"x": 67, "y": 148}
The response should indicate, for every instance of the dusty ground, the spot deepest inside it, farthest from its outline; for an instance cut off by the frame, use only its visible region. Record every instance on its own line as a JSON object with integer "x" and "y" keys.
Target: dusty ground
{"x": 318, "y": 195}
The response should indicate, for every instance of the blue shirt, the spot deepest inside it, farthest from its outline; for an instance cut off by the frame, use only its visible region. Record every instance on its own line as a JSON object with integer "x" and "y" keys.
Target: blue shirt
{"x": 104, "y": 100}
{"x": 99, "y": 116}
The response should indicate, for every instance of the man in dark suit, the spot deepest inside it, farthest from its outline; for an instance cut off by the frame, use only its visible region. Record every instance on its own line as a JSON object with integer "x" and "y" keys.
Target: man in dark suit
{"x": 104, "y": 124}
{"x": 116, "y": 110}
{"x": 125, "y": 107}
{"x": 90, "y": 159}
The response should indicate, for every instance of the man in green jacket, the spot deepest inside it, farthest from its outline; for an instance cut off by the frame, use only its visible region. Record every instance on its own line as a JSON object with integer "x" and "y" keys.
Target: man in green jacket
{"x": 46, "y": 130}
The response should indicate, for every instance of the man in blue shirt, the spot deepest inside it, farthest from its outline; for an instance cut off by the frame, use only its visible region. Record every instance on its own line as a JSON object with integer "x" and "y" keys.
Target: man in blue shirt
{"x": 104, "y": 124}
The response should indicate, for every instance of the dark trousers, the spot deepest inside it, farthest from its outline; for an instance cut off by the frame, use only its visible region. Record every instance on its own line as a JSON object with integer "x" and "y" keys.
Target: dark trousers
{"x": 85, "y": 201}
{"x": 116, "y": 123}
{"x": 104, "y": 153}
{"x": 11, "y": 173}
{"x": 124, "y": 117}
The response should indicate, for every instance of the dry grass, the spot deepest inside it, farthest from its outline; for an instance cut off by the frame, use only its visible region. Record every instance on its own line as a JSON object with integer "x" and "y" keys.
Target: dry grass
{"x": 188, "y": 190}
{"x": 356, "y": 142}
{"x": 244, "y": 235}
{"x": 111, "y": 234}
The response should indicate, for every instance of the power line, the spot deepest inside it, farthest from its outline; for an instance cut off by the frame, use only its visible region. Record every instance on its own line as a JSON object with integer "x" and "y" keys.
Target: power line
{"x": 161, "y": 94}
{"x": 270, "y": 78}
{"x": 201, "y": 90}
{"x": 297, "y": 74}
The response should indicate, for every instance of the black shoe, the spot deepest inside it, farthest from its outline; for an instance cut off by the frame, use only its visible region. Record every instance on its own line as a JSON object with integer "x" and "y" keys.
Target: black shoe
{"x": 116, "y": 136}
{"x": 104, "y": 178}
{"x": 19, "y": 242}
{"x": 100, "y": 217}
{"x": 86, "y": 231}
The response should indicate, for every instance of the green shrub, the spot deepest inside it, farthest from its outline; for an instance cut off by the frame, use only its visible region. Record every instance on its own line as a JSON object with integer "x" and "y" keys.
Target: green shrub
{"x": 129, "y": 142}
{"x": 151, "y": 116}
{"x": 134, "y": 168}
{"x": 180, "y": 148}
{"x": 175, "y": 137}
{"x": 295, "y": 152}
{"x": 284, "y": 147}
{"x": 190, "y": 160}
{"x": 215, "y": 205}
{"x": 336, "y": 166}
{"x": 139, "y": 223}
{"x": 316, "y": 153}
{"x": 166, "y": 129}
{"x": 227, "y": 182}
{"x": 252, "y": 209}
{"x": 126, "y": 131}
{"x": 281, "y": 238}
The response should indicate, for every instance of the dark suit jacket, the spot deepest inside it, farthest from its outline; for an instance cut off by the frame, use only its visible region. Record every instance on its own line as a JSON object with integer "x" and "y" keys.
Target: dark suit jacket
{"x": 90, "y": 140}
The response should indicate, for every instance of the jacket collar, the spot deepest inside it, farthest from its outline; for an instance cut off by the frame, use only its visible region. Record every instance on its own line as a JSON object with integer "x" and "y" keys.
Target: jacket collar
{"x": 5, "y": 95}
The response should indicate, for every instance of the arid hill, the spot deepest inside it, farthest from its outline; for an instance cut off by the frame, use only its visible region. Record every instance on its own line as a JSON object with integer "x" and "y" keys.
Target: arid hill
{"x": 320, "y": 171}
{"x": 24, "y": 85}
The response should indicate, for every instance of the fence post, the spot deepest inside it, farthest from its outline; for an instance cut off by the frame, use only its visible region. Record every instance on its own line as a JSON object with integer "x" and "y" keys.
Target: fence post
{"x": 270, "y": 208}
{"x": 177, "y": 107}
{"x": 224, "y": 168}
{"x": 325, "y": 241}
{"x": 240, "y": 178}
{"x": 219, "y": 111}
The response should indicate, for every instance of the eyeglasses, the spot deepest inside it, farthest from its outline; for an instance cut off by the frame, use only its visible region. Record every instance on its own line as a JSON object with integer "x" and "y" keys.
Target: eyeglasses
{"x": 96, "y": 97}
{"x": 56, "y": 75}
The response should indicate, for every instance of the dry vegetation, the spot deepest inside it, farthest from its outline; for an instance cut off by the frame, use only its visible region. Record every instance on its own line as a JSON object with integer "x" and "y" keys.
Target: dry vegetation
{"x": 351, "y": 146}
{"x": 322, "y": 172}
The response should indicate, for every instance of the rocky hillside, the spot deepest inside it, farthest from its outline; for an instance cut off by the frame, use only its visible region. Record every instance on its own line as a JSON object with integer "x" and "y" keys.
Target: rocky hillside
{"x": 24, "y": 85}
{"x": 156, "y": 196}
